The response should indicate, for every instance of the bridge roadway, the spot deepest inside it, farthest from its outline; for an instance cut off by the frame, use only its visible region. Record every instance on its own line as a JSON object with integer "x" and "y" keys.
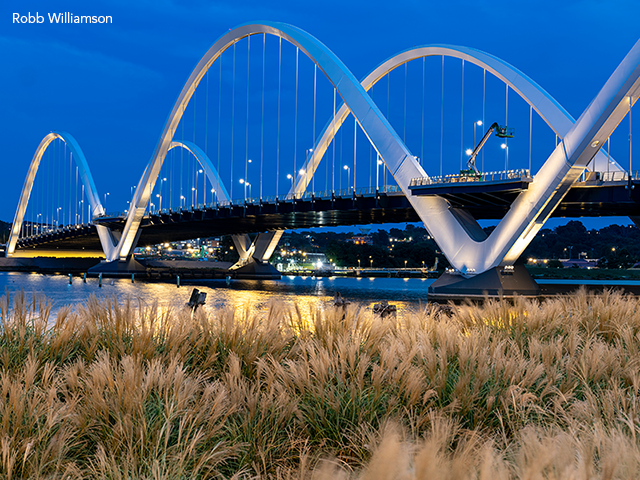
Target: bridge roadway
{"x": 364, "y": 207}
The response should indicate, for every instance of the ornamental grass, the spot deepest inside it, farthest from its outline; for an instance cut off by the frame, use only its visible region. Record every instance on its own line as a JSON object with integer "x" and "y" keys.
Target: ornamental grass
{"x": 504, "y": 390}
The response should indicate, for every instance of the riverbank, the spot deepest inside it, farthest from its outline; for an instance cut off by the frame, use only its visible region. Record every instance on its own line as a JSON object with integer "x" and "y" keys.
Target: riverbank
{"x": 498, "y": 390}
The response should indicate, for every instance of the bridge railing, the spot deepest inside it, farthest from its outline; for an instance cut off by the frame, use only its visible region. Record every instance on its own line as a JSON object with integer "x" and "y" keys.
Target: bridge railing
{"x": 615, "y": 176}
{"x": 319, "y": 195}
{"x": 466, "y": 177}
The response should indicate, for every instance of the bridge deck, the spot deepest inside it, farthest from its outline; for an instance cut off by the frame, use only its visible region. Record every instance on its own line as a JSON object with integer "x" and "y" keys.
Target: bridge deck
{"x": 583, "y": 200}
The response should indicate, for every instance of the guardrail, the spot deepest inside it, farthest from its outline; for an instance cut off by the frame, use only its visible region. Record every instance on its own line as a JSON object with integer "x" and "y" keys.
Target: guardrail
{"x": 320, "y": 195}
{"x": 522, "y": 173}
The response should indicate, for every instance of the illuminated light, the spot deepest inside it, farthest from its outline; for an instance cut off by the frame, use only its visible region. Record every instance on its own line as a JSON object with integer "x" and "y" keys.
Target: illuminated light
{"x": 479, "y": 122}
{"x": 595, "y": 143}
{"x": 346, "y": 167}
{"x": 468, "y": 151}
{"x": 503, "y": 146}
{"x": 242, "y": 180}
{"x": 301, "y": 172}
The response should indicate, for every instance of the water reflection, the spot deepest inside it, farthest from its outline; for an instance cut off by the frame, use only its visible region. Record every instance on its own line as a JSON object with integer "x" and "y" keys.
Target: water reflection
{"x": 307, "y": 292}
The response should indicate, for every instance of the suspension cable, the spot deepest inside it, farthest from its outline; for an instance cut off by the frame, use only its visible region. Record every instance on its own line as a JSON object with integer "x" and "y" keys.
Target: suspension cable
{"x": 530, "y": 134}
{"x": 264, "y": 46}
{"x": 404, "y": 126}
{"x": 295, "y": 123}
{"x": 333, "y": 144}
{"x": 313, "y": 137}
{"x": 206, "y": 138}
{"x": 278, "y": 139}
{"x": 246, "y": 134}
{"x": 233, "y": 112}
{"x": 484, "y": 91}
{"x": 422, "y": 127}
{"x": 462, "y": 118}
{"x": 442, "y": 116}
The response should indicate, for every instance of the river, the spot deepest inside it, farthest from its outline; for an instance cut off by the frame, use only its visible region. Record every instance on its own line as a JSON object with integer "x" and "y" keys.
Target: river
{"x": 307, "y": 292}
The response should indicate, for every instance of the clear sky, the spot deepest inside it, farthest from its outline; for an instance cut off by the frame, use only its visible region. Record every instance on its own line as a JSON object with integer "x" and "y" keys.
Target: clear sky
{"x": 112, "y": 86}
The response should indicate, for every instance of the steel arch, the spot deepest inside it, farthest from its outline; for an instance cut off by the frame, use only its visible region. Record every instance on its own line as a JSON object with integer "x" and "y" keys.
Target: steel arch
{"x": 242, "y": 242}
{"x": 85, "y": 175}
{"x": 553, "y": 114}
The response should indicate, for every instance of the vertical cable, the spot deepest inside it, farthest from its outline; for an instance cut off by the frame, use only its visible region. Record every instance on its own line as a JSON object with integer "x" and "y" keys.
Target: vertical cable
{"x": 194, "y": 189}
{"x": 313, "y": 138}
{"x": 630, "y": 104}
{"x": 219, "y": 119}
{"x": 295, "y": 124}
{"x": 484, "y": 91}
{"x": 278, "y": 139}
{"x": 246, "y": 134}
{"x": 530, "y": 134}
{"x": 264, "y": 46}
{"x": 206, "y": 137}
{"x": 182, "y": 162}
{"x": 355, "y": 138}
{"x": 608, "y": 155}
{"x": 462, "y": 118}
{"x": 404, "y": 127}
{"x": 442, "y": 116}
{"x": 333, "y": 141}
{"x": 233, "y": 112}
{"x": 506, "y": 122}
{"x": 422, "y": 128}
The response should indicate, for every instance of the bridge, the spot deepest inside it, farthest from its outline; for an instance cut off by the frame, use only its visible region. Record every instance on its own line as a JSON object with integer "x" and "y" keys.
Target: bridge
{"x": 234, "y": 126}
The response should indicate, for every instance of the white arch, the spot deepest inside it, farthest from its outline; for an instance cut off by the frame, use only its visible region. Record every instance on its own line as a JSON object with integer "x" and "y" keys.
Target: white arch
{"x": 85, "y": 175}
{"x": 242, "y": 242}
{"x": 551, "y": 112}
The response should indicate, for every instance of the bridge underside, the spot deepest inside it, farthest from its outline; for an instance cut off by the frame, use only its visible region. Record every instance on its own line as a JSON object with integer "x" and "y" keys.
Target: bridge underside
{"x": 583, "y": 200}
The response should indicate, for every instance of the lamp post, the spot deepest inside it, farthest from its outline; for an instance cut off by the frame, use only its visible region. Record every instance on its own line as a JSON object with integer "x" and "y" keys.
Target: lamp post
{"x": 197, "y": 172}
{"x": 290, "y": 177}
{"x": 505, "y": 147}
{"x": 370, "y": 262}
{"x": 348, "y": 169}
{"x": 242, "y": 182}
{"x": 182, "y": 201}
{"x": 378, "y": 163}
{"x": 476, "y": 124}
{"x": 58, "y": 217}
{"x": 38, "y": 229}
{"x": 162, "y": 180}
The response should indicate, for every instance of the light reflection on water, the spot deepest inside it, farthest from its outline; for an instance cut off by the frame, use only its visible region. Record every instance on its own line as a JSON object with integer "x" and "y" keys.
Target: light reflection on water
{"x": 307, "y": 292}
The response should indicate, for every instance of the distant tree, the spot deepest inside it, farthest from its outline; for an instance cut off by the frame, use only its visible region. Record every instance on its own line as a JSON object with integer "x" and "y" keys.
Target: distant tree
{"x": 555, "y": 263}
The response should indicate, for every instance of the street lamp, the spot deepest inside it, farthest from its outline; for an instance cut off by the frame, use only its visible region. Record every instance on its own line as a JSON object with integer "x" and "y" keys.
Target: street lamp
{"x": 405, "y": 264}
{"x": 379, "y": 162}
{"x": 197, "y": 172}
{"x": 476, "y": 124}
{"x": 58, "y": 217}
{"x": 162, "y": 180}
{"x": 370, "y": 262}
{"x": 290, "y": 177}
{"x": 242, "y": 182}
{"x": 182, "y": 201}
{"x": 160, "y": 197}
{"x": 348, "y": 169}
{"x": 505, "y": 147}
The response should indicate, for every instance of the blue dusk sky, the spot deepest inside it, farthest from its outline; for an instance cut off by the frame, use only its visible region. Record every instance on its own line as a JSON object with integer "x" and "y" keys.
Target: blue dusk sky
{"x": 112, "y": 85}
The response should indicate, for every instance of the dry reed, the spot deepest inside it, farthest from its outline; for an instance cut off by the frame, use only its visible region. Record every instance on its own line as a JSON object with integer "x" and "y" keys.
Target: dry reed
{"x": 502, "y": 390}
